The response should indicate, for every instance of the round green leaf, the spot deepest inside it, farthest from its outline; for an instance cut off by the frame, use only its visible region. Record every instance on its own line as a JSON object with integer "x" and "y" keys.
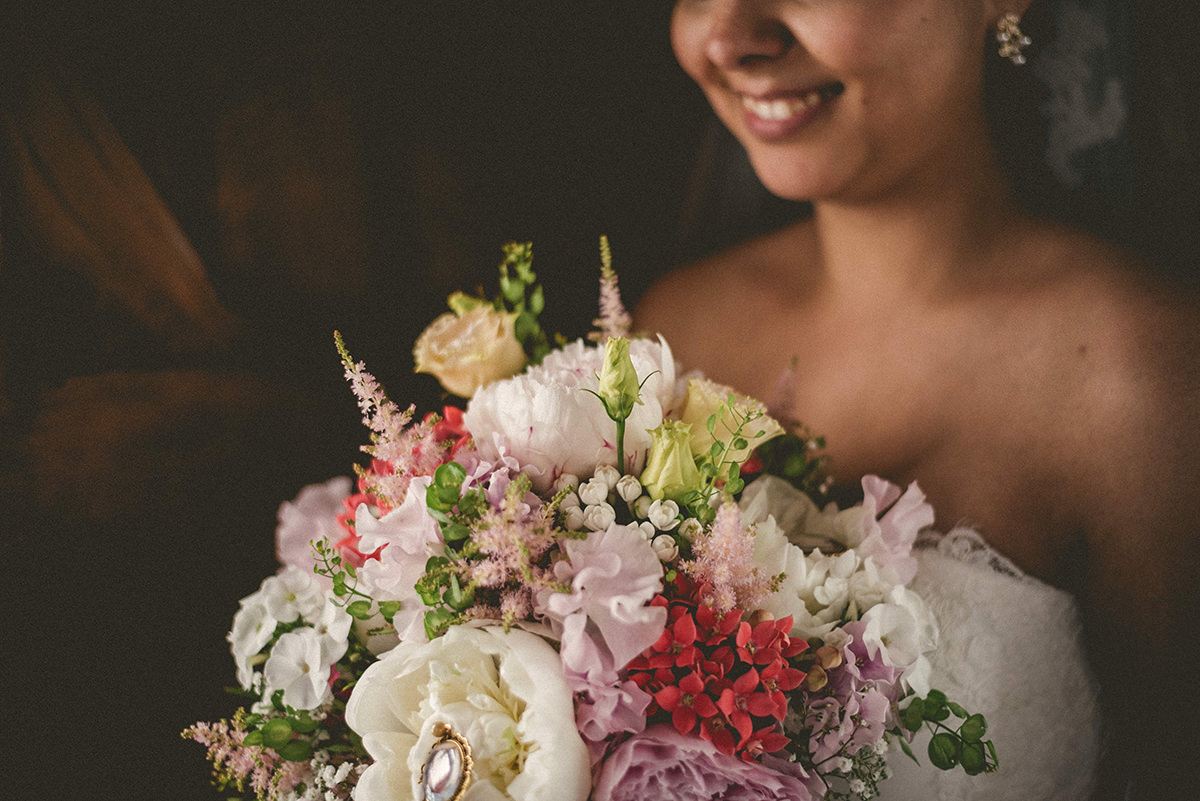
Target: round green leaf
{"x": 913, "y": 715}
{"x": 276, "y": 733}
{"x": 973, "y": 728}
{"x": 296, "y": 751}
{"x": 944, "y": 750}
{"x": 253, "y": 738}
{"x": 973, "y": 760}
{"x": 304, "y": 725}
{"x": 359, "y": 610}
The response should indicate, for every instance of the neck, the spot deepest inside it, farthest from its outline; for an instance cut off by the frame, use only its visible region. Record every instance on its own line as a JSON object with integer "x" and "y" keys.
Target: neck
{"x": 921, "y": 235}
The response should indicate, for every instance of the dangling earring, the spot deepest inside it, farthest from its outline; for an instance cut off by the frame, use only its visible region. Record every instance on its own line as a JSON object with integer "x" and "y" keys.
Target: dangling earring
{"x": 1010, "y": 38}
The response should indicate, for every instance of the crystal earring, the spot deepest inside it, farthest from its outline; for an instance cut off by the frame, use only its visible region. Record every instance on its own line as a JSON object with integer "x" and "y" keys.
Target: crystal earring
{"x": 1012, "y": 42}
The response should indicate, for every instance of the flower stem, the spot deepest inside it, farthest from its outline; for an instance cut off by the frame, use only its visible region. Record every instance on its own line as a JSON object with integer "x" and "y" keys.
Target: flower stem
{"x": 621, "y": 446}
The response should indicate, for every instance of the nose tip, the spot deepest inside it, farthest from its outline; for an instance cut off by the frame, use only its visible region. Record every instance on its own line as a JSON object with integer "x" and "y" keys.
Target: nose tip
{"x": 740, "y": 38}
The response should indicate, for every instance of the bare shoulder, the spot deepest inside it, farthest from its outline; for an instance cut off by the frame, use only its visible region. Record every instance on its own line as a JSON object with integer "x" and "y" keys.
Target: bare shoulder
{"x": 1131, "y": 455}
{"x": 690, "y": 303}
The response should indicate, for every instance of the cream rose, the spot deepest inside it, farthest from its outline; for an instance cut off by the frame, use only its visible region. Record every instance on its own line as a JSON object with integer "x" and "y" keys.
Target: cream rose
{"x": 466, "y": 351}
{"x": 707, "y": 398}
{"x": 503, "y": 692}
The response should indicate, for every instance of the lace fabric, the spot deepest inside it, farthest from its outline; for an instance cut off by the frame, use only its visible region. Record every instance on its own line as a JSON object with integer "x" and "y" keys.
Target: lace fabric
{"x": 1011, "y": 649}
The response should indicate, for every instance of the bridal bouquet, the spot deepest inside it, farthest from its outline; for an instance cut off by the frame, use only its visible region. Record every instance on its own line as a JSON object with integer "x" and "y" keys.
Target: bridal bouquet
{"x": 601, "y": 579}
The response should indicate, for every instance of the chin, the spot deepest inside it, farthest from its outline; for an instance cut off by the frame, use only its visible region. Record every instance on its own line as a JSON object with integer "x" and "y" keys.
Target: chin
{"x": 790, "y": 180}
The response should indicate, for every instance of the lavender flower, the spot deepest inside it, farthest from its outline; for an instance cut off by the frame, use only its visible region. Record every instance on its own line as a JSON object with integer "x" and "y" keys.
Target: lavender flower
{"x": 662, "y": 763}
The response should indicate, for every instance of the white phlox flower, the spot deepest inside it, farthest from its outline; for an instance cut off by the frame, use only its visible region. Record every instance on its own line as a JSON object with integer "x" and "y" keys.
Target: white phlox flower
{"x": 292, "y": 593}
{"x": 333, "y": 627}
{"x": 253, "y": 628}
{"x": 297, "y": 667}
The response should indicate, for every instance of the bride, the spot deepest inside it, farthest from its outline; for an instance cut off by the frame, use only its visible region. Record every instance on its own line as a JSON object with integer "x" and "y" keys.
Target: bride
{"x": 1041, "y": 385}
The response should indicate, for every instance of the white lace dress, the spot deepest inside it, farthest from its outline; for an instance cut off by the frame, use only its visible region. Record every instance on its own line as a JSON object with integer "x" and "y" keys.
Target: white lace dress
{"x": 1011, "y": 649}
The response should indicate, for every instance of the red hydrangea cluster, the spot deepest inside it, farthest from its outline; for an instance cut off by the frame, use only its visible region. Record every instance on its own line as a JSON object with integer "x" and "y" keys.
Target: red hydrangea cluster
{"x": 719, "y": 673}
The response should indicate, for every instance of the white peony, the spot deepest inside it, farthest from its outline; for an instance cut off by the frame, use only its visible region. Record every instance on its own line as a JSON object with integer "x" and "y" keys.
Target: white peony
{"x": 504, "y": 692}
{"x": 547, "y": 420}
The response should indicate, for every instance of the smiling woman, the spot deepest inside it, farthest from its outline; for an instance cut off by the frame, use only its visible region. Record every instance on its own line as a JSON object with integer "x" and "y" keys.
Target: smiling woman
{"x": 934, "y": 327}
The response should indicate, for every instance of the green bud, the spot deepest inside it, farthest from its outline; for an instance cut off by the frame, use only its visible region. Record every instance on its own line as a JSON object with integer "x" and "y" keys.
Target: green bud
{"x": 460, "y": 303}
{"x": 670, "y": 468}
{"x": 619, "y": 389}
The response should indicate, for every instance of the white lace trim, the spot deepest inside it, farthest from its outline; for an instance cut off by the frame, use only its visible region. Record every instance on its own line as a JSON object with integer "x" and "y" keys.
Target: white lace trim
{"x": 967, "y": 545}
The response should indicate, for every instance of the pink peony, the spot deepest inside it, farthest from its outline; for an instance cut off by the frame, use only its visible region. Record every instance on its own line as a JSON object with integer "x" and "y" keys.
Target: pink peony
{"x": 662, "y": 763}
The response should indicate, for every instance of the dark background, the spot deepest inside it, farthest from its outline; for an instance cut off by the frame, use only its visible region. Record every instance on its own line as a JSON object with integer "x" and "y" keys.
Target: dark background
{"x": 338, "y": 166}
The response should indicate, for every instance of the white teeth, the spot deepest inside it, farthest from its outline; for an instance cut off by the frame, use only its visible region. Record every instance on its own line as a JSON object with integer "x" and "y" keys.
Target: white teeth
{"x": 780, "y": 109}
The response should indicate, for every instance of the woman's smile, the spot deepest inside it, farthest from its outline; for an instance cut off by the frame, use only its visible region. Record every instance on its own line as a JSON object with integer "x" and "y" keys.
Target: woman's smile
{"x": 780, "y": 114}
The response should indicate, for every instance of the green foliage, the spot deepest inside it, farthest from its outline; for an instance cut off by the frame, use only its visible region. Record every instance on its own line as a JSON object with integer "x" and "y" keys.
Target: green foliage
{"x": 797, "y": 458}
{"x": 720, "y": 472}
{"x": 520, "y": 293}
{"x": 949, "y": 747}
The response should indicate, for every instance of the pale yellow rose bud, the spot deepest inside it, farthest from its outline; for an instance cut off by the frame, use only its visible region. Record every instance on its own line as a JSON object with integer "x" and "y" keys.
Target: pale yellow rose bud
{"x": 670, "y": 469}
{"x": 706, "y": 398}
{"x": 619, "y": 387}
{"x": 466, "y": 351}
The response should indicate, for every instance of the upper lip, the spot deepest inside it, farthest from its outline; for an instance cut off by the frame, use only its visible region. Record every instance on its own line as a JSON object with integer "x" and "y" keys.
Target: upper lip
{"x": 784, "y": 94}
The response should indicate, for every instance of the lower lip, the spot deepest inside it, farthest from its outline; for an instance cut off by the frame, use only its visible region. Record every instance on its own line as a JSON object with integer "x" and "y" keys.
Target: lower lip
{"x": 779, "y": 129}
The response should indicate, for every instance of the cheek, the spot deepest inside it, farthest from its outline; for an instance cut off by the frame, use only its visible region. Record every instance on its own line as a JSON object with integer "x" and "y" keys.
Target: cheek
{"x": 687, "y": 40}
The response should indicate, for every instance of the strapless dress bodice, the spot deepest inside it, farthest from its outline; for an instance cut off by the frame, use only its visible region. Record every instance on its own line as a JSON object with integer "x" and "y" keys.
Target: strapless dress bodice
{"x": 1010, "y": 648}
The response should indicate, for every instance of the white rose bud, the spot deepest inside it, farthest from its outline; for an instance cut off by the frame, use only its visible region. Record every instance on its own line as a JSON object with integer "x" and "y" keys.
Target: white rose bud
{"x": 593, "y": 492}
{"x": 574, "y": 519}
{"x": 569, "y": 501}
{"x": 599, "y": 517}
{"x": 608, "y": 474}
{"x": 464, "y": 352}
{"x": 641, "y": 507}
{"x": 648, "y": 530}
{"x": 664, "y": 515}
{"x": 665, "y": 548}
{"x": 629, "y": 488}
{"x": 566, "y": 480}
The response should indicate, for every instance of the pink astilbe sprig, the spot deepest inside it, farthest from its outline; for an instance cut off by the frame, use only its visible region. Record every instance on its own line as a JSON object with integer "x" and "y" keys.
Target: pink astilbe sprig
{"x": 614, "y": 319}
{"x": 511, "y": 563}
{"x": 234, "y": 764}
{"x": 723, "y": 559}
{"x": 405, "y": 450}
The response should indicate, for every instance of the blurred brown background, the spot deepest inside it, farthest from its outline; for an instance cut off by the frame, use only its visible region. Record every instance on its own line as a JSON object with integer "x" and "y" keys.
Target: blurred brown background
{"x": 193, "y": 196}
